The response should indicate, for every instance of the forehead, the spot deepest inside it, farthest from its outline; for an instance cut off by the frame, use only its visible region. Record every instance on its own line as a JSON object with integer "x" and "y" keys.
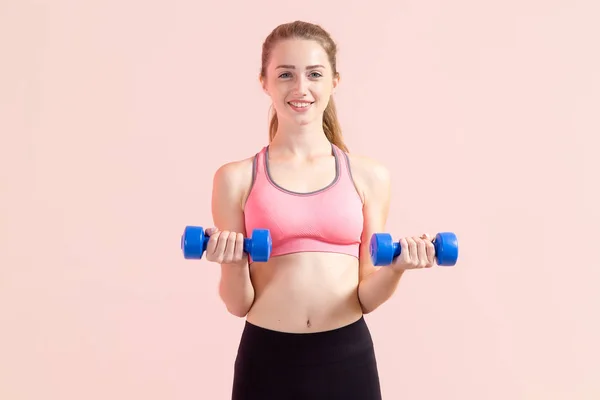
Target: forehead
{"x": 298, "y": 53}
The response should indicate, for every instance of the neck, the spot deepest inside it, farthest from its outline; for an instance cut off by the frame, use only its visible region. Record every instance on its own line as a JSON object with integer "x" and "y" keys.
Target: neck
{"x": 300, "y": 140}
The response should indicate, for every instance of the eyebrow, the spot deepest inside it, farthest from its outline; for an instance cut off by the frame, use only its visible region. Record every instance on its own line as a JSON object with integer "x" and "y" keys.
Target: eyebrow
{"x": 293, "y": 67}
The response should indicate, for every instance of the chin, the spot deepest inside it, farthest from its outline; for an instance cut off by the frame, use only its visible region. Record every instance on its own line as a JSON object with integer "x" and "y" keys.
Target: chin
{"x": 304, "y": 120}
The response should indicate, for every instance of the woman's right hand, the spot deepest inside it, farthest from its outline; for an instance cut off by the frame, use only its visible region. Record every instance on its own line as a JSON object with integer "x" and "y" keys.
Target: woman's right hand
{"x": 225, "y": 247}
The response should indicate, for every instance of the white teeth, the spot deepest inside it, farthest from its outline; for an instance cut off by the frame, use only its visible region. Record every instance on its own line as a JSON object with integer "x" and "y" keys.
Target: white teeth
{"x": 300, "y": 105}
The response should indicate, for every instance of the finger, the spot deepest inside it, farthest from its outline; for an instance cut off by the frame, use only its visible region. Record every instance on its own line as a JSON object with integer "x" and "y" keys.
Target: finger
{"x": 211, "y": 231}
{"x": 228, "y": 252}
{"x": 413, "y": 251}
{"x": 211, "y": 246}
{"x": 404, "y": 251}
{"x": 428, "y": 239}
{"x": 430, "y": 251}
{"x": 221, "y": 245}
{"x": 239, "y": 247}
{"x": 422, "y": 252}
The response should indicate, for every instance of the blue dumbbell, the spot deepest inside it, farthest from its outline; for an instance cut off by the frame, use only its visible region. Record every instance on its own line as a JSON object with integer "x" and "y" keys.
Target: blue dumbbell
{"x": 194, "y": 241}
{"x": 383, "y": 249}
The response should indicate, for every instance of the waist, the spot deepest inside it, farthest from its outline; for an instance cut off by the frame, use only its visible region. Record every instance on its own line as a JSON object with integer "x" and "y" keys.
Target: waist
{"x": 307, "y": 292}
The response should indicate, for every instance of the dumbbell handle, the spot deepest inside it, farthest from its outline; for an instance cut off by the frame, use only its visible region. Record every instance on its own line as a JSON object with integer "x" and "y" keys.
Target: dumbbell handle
{"x": 397, "y": 249}
{"x": 247, "y": 244}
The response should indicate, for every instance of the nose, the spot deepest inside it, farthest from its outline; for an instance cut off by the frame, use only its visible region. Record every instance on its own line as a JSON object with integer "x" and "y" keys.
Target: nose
{"x": 301, "y": 85}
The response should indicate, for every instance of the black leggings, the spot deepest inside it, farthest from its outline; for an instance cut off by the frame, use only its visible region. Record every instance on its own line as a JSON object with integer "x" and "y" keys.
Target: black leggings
{"x": 336, "y": 364}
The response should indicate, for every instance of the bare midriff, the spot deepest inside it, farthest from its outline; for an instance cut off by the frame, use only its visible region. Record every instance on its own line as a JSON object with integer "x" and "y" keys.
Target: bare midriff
{"x": 305, "y": 292}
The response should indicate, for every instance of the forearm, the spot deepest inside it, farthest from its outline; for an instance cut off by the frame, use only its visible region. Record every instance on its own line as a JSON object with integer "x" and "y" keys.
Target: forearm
{"x": 377, "y": 287}
{"x": 235, "y": 289}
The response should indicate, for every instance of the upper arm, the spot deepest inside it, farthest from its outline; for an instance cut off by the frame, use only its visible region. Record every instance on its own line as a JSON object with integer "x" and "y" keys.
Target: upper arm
{"x": 373, "y": 180}
{"x": 230, "y": 184}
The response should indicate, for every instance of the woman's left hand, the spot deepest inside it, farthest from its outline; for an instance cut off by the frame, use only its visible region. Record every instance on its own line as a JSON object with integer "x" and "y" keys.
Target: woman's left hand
{"x": 416, "y": 252}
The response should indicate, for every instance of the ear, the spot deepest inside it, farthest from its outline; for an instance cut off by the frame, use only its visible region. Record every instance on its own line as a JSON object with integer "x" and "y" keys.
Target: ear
{"x": 336, "y": 81}
{"x": 263, "y": 84}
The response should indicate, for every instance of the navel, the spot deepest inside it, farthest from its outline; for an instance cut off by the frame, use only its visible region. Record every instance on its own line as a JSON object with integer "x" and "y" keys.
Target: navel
{"x": 308, "y": 323}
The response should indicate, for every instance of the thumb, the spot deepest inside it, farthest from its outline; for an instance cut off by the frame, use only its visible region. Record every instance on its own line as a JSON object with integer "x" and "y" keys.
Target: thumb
{"x": 211, "y": 231}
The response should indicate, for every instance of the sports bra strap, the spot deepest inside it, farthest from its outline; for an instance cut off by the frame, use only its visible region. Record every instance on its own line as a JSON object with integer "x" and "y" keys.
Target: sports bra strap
{"x": 343, "y": 162}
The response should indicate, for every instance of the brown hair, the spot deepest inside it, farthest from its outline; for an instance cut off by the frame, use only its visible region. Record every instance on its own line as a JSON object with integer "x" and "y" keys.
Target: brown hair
{"x": 306, "y": 30}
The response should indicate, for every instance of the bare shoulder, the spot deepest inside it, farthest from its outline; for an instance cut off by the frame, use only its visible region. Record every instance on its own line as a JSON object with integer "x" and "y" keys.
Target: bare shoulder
{"x": 234, "y": 174}
{"x": 371, "y": 176}
{"x": 231, "y": 183}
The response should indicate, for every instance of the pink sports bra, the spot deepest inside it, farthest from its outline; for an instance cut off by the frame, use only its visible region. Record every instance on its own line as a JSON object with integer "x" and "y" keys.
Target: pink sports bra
{"x": 326, "y": 220}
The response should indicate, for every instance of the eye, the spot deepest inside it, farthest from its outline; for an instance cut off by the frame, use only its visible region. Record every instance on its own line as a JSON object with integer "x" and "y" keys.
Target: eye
{"x": 315, "y": 74}
{"x": 284, "y": 75}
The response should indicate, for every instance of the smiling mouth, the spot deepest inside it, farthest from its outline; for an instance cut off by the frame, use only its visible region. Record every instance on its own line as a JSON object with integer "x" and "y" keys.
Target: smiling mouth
{"x": 300, "y": 104}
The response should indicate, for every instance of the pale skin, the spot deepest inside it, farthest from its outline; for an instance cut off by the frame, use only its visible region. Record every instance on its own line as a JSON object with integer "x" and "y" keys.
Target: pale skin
{"x": 305, "y": 292}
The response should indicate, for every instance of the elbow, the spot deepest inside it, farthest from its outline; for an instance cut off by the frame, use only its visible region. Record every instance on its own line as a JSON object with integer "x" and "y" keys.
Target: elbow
{"x": 235, "y": 307}
{"x": 237, "y": 296}
{"x": 367, "y": 303}
{"x": 366, "y": 310}
{"x": 237, "y": 311}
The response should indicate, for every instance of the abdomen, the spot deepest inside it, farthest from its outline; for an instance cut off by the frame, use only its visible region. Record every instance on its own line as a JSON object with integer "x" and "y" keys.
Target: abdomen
{"x": 305, "y": 292}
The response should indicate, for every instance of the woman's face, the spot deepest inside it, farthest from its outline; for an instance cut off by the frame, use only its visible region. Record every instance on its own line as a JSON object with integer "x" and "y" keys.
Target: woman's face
{"x": 299, "y": 79}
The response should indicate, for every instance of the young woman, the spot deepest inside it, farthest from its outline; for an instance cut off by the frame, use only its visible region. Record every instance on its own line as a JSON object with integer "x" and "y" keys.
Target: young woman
{"x": 305, "y": 336}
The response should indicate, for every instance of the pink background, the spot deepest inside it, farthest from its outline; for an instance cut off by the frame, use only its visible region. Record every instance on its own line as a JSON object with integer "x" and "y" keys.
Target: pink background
{"x": 115, "y": 115}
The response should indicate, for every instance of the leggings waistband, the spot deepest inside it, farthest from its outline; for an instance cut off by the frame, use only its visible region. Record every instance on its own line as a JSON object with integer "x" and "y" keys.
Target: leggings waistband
{"x": 265, "y": 346}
